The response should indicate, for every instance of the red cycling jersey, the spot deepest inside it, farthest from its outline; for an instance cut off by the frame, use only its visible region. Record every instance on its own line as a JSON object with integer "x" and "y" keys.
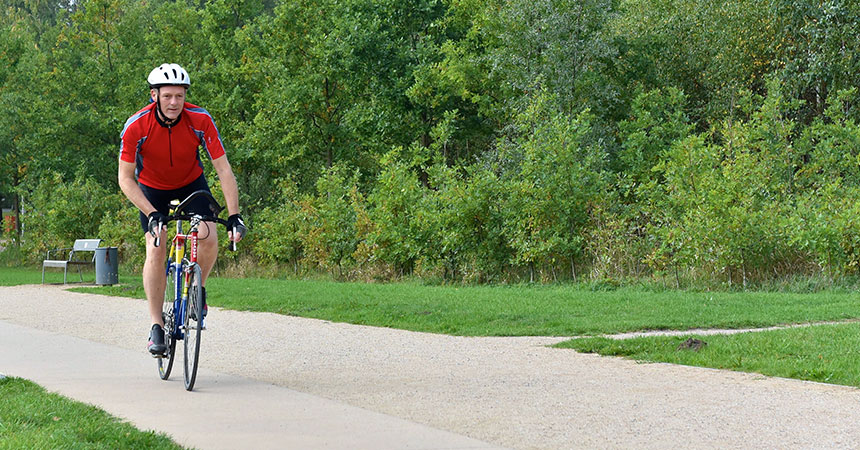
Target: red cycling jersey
{"x": 169, "y": 157}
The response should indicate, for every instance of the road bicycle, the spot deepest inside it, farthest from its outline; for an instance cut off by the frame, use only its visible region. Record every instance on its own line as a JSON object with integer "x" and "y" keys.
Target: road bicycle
{"x": 183, "y": 293}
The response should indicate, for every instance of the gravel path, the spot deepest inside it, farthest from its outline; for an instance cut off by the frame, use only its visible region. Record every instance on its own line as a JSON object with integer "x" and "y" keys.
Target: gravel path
{"x": 512, "y": 392}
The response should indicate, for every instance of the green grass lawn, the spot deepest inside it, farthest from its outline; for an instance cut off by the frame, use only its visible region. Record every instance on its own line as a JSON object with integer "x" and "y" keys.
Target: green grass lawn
{"x": 554, "y": 310}
{"x": 12, "y": 276}
{"x": 824, "y": 353}
{"x": 566, "y": 310}
{"x": 574, "y": 310}
{"x": 30, "y": 417}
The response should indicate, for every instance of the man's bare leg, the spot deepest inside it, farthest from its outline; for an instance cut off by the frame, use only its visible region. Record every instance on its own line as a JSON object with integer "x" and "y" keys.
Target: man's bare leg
{"x": 154, "y": 277}
{"x": 207, "y": 248}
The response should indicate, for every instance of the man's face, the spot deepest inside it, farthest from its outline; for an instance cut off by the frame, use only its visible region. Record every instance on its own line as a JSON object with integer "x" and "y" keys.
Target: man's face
{"x": 172, "y": 100}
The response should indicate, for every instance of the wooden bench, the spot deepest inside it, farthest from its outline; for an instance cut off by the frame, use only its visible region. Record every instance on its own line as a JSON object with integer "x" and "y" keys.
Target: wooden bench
{"x": 74, "y": 258}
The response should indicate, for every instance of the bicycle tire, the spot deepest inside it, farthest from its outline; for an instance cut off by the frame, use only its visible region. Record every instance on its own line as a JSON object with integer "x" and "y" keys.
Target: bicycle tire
{"x": 193, "y": 325}
{"x": 165, "y": 364}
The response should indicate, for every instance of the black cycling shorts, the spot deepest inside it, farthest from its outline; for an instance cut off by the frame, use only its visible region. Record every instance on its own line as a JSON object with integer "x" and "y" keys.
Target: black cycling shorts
{"x": 161, "y": 199}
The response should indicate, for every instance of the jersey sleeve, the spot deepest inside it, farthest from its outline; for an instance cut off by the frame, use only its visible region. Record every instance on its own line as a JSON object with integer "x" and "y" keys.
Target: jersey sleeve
{"x": 129, "y": 139}
{"x": 212, "y": 139}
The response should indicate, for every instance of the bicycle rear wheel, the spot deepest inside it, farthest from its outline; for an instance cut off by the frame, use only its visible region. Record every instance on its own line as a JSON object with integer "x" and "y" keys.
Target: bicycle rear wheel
{"x": 165, "y": 364}
{"x": 193, "y": 325}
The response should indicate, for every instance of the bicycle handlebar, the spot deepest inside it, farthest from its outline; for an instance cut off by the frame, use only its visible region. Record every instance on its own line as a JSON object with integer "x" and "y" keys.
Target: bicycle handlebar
{"x": 213, "y": 205}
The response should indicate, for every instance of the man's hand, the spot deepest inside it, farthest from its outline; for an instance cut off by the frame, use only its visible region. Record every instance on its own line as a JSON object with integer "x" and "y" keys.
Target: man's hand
{"x": 236, "y": 226}
{"x": 156, "y": 223}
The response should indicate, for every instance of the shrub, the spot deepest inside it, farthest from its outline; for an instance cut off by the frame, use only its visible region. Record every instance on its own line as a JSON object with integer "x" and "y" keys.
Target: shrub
{"x": 121, "y": 228}
{"x": 398, "y": 211}
{"x": 60, "y": 212}
{"x": 338, "y": 204}
{"x": 557, "y": 179}
{"x": 277, "y": 228}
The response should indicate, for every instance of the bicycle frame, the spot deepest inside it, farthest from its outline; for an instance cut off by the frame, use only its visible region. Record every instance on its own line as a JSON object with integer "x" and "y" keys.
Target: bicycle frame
{"x": 182, "y": 268}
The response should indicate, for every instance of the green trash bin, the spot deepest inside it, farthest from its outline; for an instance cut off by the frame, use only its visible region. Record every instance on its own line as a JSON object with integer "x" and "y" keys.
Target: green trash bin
{"x": 107, "y": 265}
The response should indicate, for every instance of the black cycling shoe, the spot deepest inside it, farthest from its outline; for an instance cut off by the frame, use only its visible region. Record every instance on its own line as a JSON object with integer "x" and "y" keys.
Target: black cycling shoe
{"x": 205, "y": 307}
{"x": 156, "y": 340}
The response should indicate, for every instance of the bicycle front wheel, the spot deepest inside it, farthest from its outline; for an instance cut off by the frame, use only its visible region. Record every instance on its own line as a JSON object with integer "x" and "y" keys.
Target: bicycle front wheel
{"x": 193, "y": 326}
{"x": 165, "y": 364}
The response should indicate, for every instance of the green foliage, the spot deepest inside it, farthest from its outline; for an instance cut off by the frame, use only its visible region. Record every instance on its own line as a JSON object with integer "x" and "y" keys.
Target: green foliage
{"x": 708, "y": 51}
{"x": 556, "y": 181}
{"x": 11, "y": 257}
{"x": 58, "y": 212}
{"x": 812, "y": 52}
{"x": 397, "y": 209}
{"x": 278, "y": 239}
{"x": 482, "y": 213}
{"x": 657, "y": 121}
{"x": 323, "y": 231}
{"x": 557, "y": 46}
{"x": 120, "y": 227}
{"x": 448, "y": 245}
{"x": 338, "y": 205}
{"x": 483, "y": 141}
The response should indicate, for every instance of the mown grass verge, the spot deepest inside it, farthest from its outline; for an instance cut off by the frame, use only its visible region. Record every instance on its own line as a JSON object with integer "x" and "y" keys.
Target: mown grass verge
{"x": 13, "y": 276}
{"x": 822, "y": 353}
{"x": 818, "y": 353}
{"x": 559, "y": 310}
{"x": 31, "y": 417}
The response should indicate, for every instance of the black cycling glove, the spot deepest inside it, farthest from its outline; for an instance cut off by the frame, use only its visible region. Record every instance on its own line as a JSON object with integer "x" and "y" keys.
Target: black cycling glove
{"x": 156, "y": 221}
{"x": 237, "y": 225}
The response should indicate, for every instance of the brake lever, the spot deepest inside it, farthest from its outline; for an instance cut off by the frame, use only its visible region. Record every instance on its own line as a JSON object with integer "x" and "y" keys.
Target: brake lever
{"x": 158, "y": 235}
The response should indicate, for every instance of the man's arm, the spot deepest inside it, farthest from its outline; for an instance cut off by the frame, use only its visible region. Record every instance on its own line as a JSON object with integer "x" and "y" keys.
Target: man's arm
{"x": 228, "y": 186}
{"x": 129, "y": 187}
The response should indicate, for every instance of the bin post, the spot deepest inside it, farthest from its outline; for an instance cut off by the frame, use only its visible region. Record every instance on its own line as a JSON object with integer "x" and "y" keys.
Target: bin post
{"x": 107, "y": 265}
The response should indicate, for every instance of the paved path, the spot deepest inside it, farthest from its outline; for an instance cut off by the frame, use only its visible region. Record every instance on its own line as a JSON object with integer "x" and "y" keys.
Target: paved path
{"x": 300, "y": 383}
{"x": 225, "y": 411}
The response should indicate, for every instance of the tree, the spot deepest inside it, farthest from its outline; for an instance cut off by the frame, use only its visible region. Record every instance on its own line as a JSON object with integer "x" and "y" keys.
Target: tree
{"x": 553, "y": 45}
{"x": 22, "y": 84}
{"x": 558, "y": 176}
{"x": 708, "y": 50}
{"x": 816, "y": 49}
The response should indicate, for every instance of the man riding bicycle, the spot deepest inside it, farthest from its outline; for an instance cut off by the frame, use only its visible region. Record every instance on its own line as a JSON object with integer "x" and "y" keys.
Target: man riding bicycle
{"x": 159, "y": 161}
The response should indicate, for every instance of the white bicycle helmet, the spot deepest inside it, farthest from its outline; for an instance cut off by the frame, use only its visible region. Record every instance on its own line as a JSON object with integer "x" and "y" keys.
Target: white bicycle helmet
{"x": 168, "y": 75}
